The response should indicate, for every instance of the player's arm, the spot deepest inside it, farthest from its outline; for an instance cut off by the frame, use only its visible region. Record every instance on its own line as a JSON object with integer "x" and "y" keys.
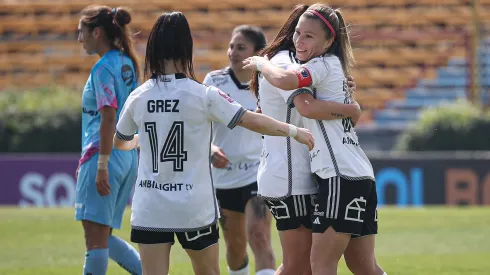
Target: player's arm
{"x": 223, "y": 109}
{"x": 106, "y": 132}
{"x": 105, "y": 95}
{"x": 126, "y": 145}
{"x": 278, "y": 77}
{"x": 125, "y": 137}
{"x": 355, "y": 119}
{"x": 268, "y": 126}
{"x": 313, "y": 108}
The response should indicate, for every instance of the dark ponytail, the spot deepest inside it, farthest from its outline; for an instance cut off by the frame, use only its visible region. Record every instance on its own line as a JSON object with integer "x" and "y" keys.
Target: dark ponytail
{"x": 282, "y": 41}
{"x": 344, "y": 48}
{"x": 115, "y": 24}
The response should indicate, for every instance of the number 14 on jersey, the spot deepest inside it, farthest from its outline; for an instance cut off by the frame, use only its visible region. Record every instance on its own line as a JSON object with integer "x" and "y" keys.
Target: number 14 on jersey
{"x": 173, "y": 148}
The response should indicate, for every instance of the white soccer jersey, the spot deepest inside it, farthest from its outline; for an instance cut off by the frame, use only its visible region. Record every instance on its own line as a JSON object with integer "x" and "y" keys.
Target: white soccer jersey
{"x": 174, "y": 191}
{"x": 241, "y": 146}
{"x": 285, "y": 164}
{"x": 337, "y": 151}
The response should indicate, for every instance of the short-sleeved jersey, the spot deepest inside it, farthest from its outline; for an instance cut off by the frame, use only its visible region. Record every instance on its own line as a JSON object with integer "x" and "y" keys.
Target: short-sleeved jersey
{"x": 337, "y": 151}
{"x": 241, "y": 146}
{"x": 285, "y": 163}
{"x": 174, "y": 191}
{"x": 109, "y": 84}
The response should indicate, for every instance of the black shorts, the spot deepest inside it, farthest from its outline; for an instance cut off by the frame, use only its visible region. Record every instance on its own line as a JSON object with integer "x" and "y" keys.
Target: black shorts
{"x": 193, "y": 240}
{"x": 236, "y": 199}
{"x": 346, "y": 205}
{"x": 292, "y": 212}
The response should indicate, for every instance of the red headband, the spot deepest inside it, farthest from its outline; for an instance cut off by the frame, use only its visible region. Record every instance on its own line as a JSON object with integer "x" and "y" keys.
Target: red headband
{"x": 325, "y": 21}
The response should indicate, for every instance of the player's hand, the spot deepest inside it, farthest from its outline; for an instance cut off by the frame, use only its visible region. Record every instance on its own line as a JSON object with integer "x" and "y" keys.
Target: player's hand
{"x": 351, "y": 83}
{"x": 304, "y": 136}
{"x": 102, "y": 182}
{"x": 250, "y": 63}
{"x": 356, "y": 113}
{"x": 218, "y": 157}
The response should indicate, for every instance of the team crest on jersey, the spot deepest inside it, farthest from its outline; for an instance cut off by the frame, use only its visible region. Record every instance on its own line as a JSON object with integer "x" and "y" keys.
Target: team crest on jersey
{"x": 304, "y": 73}
{"x": 219, "y": 80}
{"x": 127, "y": 75}
{"x": 225, "y": 96}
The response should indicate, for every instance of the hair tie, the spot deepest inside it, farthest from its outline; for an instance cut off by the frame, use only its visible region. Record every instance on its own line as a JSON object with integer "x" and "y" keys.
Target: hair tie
{"x": 114, "y": 11}
{"x": 324, "y": 21}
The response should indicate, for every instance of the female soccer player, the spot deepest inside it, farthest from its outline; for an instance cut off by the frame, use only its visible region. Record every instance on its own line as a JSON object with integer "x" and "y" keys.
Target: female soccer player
{"x": 172, "y": 112}
{"x": 284, "y": 176}
{"x": 235, "y": 158}
{"x": 346, "y": 204}
{"x": 103, "y": 185}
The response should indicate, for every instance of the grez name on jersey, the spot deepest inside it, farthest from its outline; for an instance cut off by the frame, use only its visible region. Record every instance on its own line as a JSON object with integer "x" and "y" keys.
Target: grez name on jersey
{"x": 163, "y": 106}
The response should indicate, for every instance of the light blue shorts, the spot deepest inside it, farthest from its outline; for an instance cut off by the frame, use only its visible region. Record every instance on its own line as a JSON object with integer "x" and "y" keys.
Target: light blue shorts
{"x": 107, "y": 210}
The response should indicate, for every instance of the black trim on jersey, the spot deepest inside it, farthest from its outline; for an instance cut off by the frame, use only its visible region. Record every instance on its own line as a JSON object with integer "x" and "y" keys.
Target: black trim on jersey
{"x": 177, "y": 76}
{"x": 236, "y": 81}
{"x": 332, "y": 155}
{"x": 299, "y": 91}
{"x": 123, "y": 136}
{"x": 154, "y": 229}
{"x": 236, "y": 118}
{"x": 292, "y": 57}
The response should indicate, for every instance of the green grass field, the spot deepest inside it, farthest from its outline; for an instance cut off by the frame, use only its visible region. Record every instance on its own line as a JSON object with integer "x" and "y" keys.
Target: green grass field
{"x": 424, "y": 241}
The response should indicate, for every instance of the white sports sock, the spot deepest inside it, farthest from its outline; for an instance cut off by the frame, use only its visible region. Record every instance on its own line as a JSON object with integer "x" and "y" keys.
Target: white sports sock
{"x": 243, "y": 271}
{"x": 266, "y": 272}
{"x": 385, "y": 273}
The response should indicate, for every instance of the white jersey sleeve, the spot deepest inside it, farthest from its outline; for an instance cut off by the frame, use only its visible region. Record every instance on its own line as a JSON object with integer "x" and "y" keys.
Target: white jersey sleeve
{"x": 222, "y": 108}
{"x": 316, "y": 69}
{"x": 208, "y": 80}
{"x": 126, "y": 126}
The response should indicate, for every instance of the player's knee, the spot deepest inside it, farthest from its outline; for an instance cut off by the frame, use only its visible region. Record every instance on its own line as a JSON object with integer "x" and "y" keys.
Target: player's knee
{"x": 296, "y": 263}
{"x": 96, "y": 236}
{"x": 367, "y": 266}
{"x": 320, "y": 265}
{"x": 93, "y": 241}
{"x": 258, "y": 237}
{"x": 294, "y": 267}
{"x": 323, "y": 267}
{"x": 236, "y": 247}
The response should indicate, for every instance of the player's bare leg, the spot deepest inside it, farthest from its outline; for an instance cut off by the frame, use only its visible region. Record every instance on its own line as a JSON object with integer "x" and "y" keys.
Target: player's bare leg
{"x": 96, "y": 235}
{"x": 326, "y": 250}
{"x": 97, "y": 244}
{"x": 206, "y": 261}
{"x": 258, "y": 219}
{"x": 155, "y": 258}
{"x": 360, "y": 258}
{"x": 233, "y": 228}
{"x": 296, "y": 247}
